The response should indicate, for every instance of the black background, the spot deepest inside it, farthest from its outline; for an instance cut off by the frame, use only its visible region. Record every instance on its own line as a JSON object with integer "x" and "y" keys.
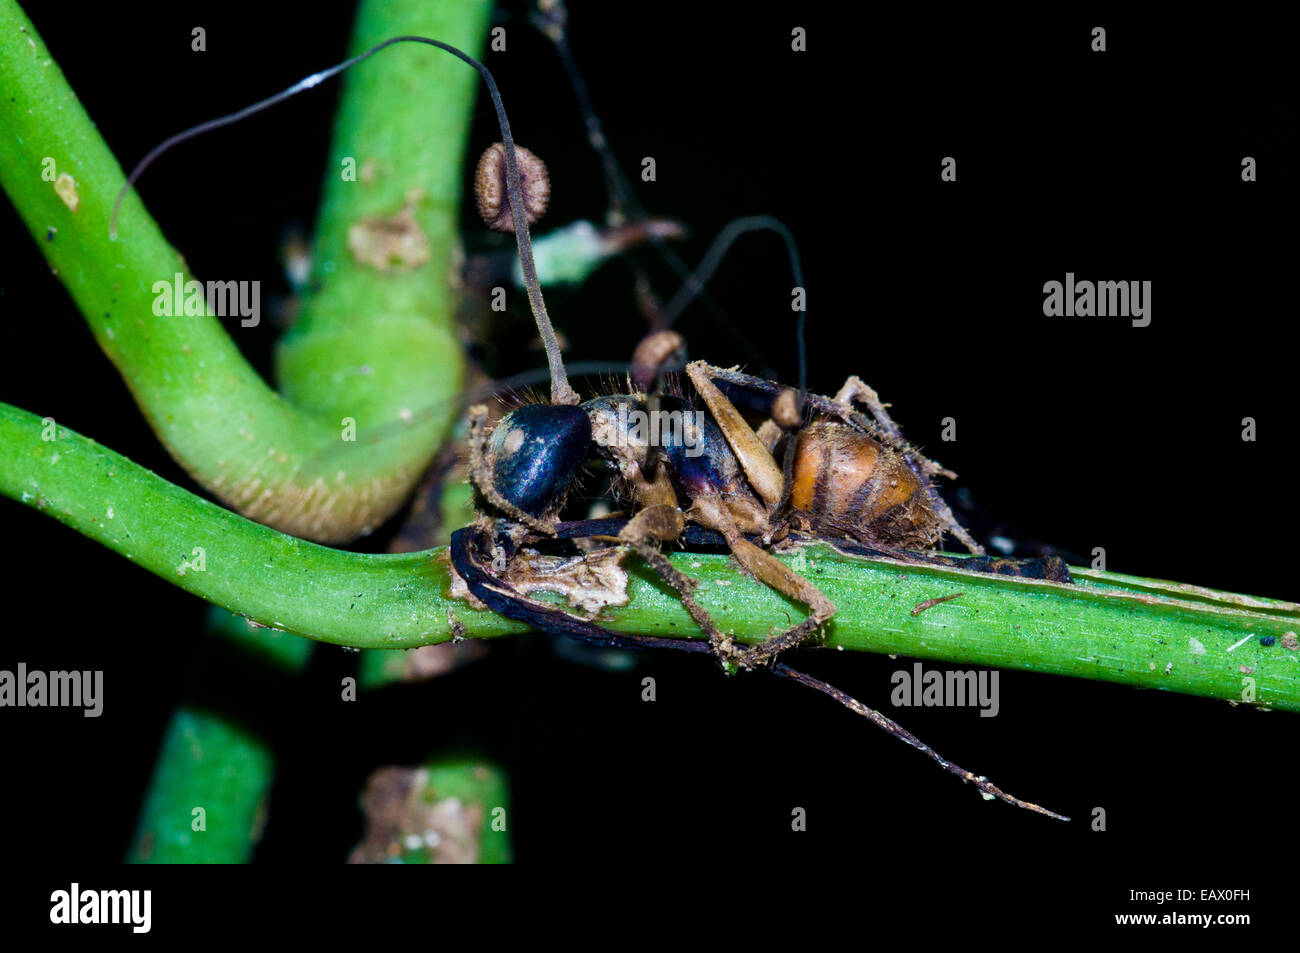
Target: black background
{"x": 1081, "y": 433}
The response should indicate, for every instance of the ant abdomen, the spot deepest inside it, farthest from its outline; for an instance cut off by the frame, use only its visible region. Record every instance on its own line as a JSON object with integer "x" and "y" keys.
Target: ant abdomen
{"x": 847, "y": 482}
{"x": 534, "y": 454}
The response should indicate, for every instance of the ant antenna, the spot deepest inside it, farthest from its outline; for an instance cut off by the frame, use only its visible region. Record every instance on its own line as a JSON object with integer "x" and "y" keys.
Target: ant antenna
{"x": 694, "y": 284}
{"x": 561, "y": 392}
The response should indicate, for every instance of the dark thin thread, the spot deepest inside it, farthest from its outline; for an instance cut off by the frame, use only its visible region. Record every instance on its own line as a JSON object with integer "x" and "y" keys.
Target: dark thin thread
{"x": 781, "y": 670}
{"x": 561, "y": 392}
{"x": 552, "y": 22}
{"x": 713, "y": 258}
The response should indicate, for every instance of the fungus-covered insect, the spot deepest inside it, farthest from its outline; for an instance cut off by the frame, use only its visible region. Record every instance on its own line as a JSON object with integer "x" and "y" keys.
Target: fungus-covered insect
{"x": 817, "y": 468}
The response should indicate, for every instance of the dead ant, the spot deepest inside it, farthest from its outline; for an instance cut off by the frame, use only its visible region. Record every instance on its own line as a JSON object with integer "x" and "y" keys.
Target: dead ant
{"x": 845, "y": 477}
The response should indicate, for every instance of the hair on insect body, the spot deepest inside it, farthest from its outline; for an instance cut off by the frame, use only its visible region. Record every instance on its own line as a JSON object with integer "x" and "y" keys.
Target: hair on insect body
{"x": 845, "y": 476}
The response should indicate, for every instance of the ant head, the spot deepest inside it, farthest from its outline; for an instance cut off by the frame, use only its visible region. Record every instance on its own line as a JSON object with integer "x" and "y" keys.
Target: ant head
{"x": 534, "y": 453}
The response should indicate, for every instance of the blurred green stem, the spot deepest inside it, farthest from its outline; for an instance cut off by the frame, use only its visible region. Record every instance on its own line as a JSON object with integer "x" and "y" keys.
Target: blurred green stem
{"x": 371, "y": 346}
{"x": 211, "y": 759}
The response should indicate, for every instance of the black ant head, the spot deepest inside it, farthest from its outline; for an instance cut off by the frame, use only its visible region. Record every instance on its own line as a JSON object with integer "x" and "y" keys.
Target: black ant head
{"x": 534, "y": 453}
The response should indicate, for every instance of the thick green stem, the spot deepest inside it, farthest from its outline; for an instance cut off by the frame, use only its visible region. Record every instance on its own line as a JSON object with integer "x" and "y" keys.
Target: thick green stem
{"x": 1107, "y": 626}
{"x": 373, "y": 345}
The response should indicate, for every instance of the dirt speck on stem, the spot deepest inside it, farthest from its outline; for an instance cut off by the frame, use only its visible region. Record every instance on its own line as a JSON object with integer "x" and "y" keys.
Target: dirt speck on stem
{"x": 66, "y": 188}
{"x": 931, "y": 603}
{"x": 390, "y": 242}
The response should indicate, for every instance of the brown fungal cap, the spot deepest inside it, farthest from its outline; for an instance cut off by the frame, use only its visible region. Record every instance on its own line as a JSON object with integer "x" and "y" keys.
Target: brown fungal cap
{"x": 490, "y": 187}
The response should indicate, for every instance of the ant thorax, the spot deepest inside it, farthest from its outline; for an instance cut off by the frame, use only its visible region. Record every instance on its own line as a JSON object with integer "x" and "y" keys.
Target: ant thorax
{"x": 611, "y": 428}
{"x": 674, "y": 454}
{"x": 624, "y": 447}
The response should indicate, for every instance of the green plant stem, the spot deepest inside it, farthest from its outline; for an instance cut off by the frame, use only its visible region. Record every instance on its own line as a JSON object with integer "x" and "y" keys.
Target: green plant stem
{"x": 371, "y": 345}
{"x": 210, "y": 762}
{"x": 207, "y": 756}
{"x": 1108, "y": 626}
{"x": 378, "y": 667}
{"x": 213, "y": 760}
{"x": 481, "y": 785}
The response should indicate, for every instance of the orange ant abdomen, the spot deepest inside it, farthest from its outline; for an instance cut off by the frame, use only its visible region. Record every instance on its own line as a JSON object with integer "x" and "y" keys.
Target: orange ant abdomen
{"x": 848, "y": 483}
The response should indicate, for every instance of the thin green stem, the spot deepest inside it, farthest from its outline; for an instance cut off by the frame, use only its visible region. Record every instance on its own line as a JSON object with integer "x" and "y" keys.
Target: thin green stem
{"x": 1107, "y": 626}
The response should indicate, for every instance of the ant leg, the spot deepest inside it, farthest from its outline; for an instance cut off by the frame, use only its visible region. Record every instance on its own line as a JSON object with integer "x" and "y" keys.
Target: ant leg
{"x": 768, "y": 433}
{"x": 986, "y": 787}
{"x": 467, "y": 548}
{"x": 755, "y": 450}
{"x": 480, "y": 474}
{"x": 468, "y": 544}
{"x": 656, "y": 524}
{"x": 857, "y": 389}
{"x": 773, "y": 573}
{"x": 643, "y": 533}
{"x": 770, "y": 571}
{"x": 770, "y": 481}
{"x": 755, "y": 459}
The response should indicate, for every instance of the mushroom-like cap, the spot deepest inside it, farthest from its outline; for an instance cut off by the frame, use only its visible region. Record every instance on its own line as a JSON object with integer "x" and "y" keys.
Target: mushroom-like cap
{"x": 490, "y": 187}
